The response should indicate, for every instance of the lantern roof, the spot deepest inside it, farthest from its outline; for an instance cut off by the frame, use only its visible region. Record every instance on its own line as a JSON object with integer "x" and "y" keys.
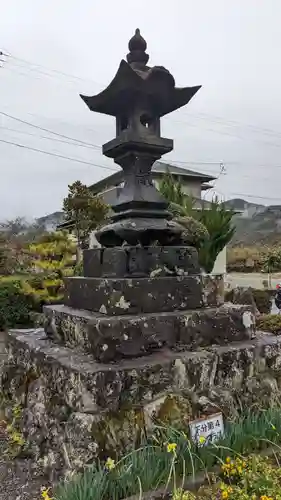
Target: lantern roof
{"x": 135, "y": 82}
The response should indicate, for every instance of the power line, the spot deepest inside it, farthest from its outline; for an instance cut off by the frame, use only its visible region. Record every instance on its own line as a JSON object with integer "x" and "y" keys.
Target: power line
{"x": 114, "y": 170}
{"x": 220, "y": 132}
{"x": 228, "y": 163}
{"x": 14, "y": 70}
{"x": 202, "y": 116}
{"x": 58, "y": 155}
{"x": 247, "y": 195}
{"x": 94, "y": 146}
{"x": 220, "y": 164}
{"x": 226, "y": 133}
{"x": 45, "y": 137}
{"x": 82, "y": 143}
{"x": 39, "y": 75}
{"x": 58, "y": 120}
{"x": 234, "y": 123}
{"x": 58, "y": 72}
{"x": 90, "y": 145}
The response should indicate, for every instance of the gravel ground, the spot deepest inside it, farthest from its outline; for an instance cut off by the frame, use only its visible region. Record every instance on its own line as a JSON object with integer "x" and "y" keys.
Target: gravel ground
{"x": 18, "y": 480}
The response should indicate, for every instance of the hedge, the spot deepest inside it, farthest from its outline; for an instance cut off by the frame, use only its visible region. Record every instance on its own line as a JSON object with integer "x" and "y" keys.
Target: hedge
{"x": 15, "y": 306}
{"x": 270, "y": 323}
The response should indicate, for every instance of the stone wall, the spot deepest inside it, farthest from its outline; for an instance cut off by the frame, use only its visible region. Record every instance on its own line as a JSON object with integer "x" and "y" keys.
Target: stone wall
{"x": 75, "y": 409}
{"x": 3, "y": 352}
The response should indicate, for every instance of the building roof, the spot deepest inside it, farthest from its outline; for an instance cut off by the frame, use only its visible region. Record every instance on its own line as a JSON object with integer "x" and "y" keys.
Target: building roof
{"x": 161, "y": 168}
{"x": 158, "y": 168}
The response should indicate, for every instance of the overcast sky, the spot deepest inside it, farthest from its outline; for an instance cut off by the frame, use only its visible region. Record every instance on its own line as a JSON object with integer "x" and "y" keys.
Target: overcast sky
{"x": 231, "y": 48}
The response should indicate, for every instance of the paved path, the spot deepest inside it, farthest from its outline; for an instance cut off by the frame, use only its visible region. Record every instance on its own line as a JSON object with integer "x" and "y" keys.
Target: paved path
{"x": 254, "y": 280}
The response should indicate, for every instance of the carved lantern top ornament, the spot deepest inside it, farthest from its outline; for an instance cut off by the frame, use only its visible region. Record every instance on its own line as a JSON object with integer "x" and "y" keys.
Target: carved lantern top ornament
{"x": 138, "y": 97}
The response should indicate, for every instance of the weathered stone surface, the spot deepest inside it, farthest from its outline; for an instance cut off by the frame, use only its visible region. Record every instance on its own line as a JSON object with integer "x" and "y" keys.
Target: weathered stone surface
{"x": 140, "y": 261}
{"x": 222, "y": 325}
{"x": 143, "y": 295}
{"x": 213, "y": 289}
{"x": 243, "y": 295}
{"x": 92, "y": 260}
{"x": 76, "y": 409}
{"x": 115, "y": 337}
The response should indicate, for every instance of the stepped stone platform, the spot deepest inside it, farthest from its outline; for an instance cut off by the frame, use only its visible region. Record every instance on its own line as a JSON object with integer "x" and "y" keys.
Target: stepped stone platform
{"x": 109, "y": 338}
{"x": 76, "y": 409}
{"x": 158, "y": 344}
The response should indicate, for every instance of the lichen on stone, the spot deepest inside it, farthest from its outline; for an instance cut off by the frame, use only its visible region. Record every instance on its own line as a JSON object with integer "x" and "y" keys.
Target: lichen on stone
{"x": 122, "y": 303}
{"x": 194, "y": 232}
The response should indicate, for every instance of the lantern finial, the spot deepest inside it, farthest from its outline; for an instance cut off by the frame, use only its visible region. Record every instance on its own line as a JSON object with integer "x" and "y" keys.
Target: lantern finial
{"x": 137, "y": 48}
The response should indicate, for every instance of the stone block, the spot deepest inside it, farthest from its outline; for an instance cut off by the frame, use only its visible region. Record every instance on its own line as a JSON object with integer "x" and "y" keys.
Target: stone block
{"x": 219, "y": 326}
{"x": 140, "y": 261}
{"x": 213, "y": 289}
{"x": 114, "y": 263}
{"x": 112, "y": 338}
{"x": 143, "y": 295}
{"x": 109, "y": 339}
{"x": 92, "y": 260}
{"x": 162, "y": 261}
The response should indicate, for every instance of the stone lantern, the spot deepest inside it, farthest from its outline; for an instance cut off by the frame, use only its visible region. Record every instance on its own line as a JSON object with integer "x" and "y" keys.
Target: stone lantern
{"x": 143, "y": 330}
{"x": 138, "y": 97}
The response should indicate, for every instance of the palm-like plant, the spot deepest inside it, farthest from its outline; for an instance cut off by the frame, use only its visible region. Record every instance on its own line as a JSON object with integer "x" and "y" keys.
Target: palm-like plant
{"x": 218, "y": 222}
{"x": 181, "y": 204}
{"x": 216, "y": 219}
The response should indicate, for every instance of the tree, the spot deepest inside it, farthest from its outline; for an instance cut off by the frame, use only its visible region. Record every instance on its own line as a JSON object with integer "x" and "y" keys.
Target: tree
{"x": 4, "y": 256}
{"x": 216, "y": 219}
{"x": 53, "y": 256}
{"x": 84, "y": 209}
{"x": 14, "y": 227}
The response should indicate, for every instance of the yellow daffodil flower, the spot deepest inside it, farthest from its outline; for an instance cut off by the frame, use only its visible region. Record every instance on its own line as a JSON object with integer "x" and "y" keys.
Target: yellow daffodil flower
{"x": 171, "y": 447}
{"x": 110, "y": 463}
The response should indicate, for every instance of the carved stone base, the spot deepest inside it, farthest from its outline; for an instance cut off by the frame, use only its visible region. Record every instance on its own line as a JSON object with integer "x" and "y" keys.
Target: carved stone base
{"x": 111, "y": 338}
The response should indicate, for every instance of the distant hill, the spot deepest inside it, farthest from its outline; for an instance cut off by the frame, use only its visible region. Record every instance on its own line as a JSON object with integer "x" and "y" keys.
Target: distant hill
{"x": 246, "y": 208}
{"x": 255, "y": 223}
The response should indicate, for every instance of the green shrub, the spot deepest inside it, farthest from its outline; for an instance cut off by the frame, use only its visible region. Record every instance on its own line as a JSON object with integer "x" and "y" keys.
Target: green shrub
{"x": 244, "y": 478}
{"x": 270, "y": 323}
{"x": 149, "y": 467}
{"x": 15, "y": 306}
{"x": 53, "y": 258}
{"x": 272, "y": 262}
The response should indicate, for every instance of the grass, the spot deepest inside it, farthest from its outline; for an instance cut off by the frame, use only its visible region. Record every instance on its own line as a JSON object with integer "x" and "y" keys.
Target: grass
{"x": 149, "y": 467}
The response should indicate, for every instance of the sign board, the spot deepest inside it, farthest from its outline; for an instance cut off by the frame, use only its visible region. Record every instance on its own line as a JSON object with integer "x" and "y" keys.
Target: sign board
{"x": 206, "y": 430}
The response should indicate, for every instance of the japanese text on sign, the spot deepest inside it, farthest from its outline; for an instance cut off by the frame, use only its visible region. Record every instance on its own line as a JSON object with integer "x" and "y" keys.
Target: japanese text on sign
{"x": 207, "y": 430}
